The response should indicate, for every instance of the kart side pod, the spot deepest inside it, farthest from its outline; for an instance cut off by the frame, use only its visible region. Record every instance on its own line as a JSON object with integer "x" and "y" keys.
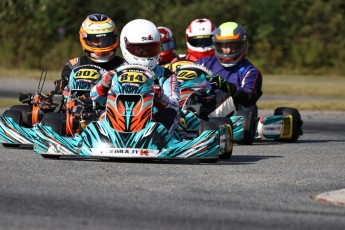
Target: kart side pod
{"x": 275, "y": 127}
{"x": 285, "y": 125}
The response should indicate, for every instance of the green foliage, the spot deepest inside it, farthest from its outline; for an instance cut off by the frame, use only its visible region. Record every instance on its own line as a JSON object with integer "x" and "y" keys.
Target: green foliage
{"x": 54, "y": 58}
{"x": 300, "y": 36}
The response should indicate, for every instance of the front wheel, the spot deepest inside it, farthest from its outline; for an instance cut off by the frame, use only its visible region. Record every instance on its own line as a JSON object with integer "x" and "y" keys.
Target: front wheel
{"x": 57, "y": 121}
{"x": 228, "y": 134}
{"x": 204, "y": 126}
{"x": 207, "y": 125}
{"x": 248, "y": 126}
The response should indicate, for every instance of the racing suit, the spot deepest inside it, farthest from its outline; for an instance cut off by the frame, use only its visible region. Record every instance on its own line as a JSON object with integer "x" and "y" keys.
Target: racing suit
{"x": 166, "y": 100}
{"x": 192, "y": 56}
{"x": 245, "y": 78}
{"x": 84, "y": 60}
{"x": 164, "y": 62}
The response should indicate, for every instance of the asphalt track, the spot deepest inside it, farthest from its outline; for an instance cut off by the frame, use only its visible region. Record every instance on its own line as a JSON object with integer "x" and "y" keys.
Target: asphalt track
{"x": 11, "y": 87}
{"x": 268, "y": 185}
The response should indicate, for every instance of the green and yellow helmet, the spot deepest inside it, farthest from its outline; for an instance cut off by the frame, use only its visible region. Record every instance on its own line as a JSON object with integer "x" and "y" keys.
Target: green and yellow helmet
{"x": 231, "y": 44}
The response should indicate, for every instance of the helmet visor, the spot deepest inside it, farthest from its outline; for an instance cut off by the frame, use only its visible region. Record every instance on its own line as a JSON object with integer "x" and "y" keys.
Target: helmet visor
{"x": 200, "y": 41}
{"x": 169, "y": 45}
{"x": 228, "y": 48}
{"x": 101, "y": 40}
{"x": 144, "y": 49}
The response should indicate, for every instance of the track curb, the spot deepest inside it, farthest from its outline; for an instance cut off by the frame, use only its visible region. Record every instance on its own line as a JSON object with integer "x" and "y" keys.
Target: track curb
{"x": 336, "y": 197}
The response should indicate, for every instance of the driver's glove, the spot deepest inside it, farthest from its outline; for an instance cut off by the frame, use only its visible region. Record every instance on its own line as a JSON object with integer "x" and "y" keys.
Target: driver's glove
{"x": 217, "y": 82}
{"x": 160, "y": 99}
{"x": 104, "y": 84}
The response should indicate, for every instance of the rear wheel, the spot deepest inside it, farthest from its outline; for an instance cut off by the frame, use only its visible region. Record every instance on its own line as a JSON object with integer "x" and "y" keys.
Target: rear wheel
{"x": 248, "y": 125}
{"x": 17, "y": 117}
{"x": 57, "y": 121}
{"x": 204, "y": 126}
{"x": 296, "y": 122}
{"x": 24, "y": 110}
{"x": 228, "y": 133}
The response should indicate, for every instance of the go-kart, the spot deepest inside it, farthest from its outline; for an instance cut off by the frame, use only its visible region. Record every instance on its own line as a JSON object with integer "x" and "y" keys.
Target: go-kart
{"x": 192, "y": 83}
{"x": 16, "y": 124}
{"x": 284, "y": 125}
{"x": 177, "y": 64}
{"x": 80, "y": 110}
{"x": 128, "y": 130}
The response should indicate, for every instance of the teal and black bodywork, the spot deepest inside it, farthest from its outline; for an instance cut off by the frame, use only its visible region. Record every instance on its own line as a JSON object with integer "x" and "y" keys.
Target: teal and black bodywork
{"x": 193, "y": 87}
{"x": 12, "y": 134}
{"x": 16, "y": 123}
{"x": 63, "y": 110}
{"x": 284, "y": 125}
{"x": 128, "y": 131}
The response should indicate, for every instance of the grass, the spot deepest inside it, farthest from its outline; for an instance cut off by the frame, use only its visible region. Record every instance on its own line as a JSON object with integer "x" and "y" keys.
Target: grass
{"x": 312, "y": 105}
{"x": 307, "y": 92}
{"x": 320, "y": 86}
{"x": 30, "y": 74}
{"x": 8, "y": 102}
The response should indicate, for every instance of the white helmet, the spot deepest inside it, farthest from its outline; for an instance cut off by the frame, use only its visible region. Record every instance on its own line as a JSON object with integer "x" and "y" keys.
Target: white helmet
{"x": 199, "y": 35}
{"x": 140, "y": 43}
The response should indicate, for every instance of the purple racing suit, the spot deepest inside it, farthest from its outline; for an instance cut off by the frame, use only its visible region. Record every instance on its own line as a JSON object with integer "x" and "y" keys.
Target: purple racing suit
{"x": 245, "y": 76}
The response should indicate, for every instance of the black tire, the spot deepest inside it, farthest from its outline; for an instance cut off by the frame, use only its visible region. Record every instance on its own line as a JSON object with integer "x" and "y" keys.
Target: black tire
{"x": 48, "y": 156}
{"x": 24, "y": 109}
{"x": 296, "y": 122}
{"x": 192, "y": 109}
{"x": 10, "y": 145}
{"x": 57, "y": 121}
{"x": 205, "y": 125}
{"x": 208, "y": 161}
{"x": 249, "y": 126}
{"x": 166, "y": 117}
{"x": 220, "y": 120}
{"x": 15, "y": 115}
{"x": 229, "y": 129}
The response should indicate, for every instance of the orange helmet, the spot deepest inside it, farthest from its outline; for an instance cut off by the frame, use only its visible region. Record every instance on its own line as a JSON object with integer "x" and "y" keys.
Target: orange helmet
{"x": 99, "y": 37}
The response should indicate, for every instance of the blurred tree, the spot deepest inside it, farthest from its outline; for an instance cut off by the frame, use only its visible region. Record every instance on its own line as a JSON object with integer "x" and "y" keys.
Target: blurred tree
{"x": 285, "y": 36}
